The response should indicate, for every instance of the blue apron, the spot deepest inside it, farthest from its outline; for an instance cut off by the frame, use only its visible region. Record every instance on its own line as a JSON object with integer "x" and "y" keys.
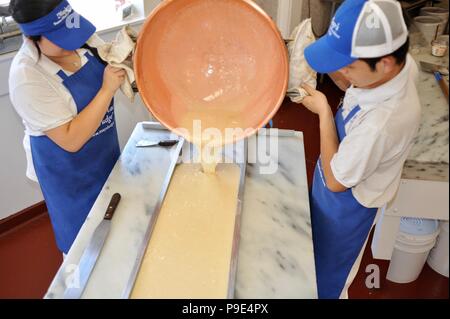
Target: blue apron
{"x": 340, "y": 227}
{"x": 71, "y": 182}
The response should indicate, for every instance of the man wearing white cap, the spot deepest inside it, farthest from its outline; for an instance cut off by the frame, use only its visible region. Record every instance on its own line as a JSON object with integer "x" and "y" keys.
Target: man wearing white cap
{"x": 364, "y": 147}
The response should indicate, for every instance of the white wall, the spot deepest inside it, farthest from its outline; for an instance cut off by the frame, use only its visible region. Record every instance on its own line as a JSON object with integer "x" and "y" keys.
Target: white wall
{"x": 103, "y": 15}
{"x": 270, "y": 6}
{"x": 286, "y": 13}
{"x": 149, "y": 5}
{"x": 289, "y": 13}
{"x": 16, "y": 191}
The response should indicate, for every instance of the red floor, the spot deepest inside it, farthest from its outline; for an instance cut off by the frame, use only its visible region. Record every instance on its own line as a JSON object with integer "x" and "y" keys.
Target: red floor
{"x": 429, "y": 285}
{"x": 29, "y": 258}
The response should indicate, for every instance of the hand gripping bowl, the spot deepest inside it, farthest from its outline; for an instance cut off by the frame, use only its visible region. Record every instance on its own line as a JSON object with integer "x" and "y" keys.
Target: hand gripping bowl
{"x": 219, "y": 61}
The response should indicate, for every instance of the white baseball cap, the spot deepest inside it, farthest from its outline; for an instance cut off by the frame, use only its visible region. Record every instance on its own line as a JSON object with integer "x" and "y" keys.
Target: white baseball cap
{"x": 380, "y": 29}
{"x": 359, "y": 29}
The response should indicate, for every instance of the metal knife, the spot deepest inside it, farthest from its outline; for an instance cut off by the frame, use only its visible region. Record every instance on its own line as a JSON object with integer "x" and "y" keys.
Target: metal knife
{"x": 165, "y": 143}
{"x": 92, "y": 251}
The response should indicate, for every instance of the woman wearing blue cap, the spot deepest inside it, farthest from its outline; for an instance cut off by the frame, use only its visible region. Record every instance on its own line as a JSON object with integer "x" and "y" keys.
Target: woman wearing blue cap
{"x": 364, "y": 147}
{"x": 64, "y": 95}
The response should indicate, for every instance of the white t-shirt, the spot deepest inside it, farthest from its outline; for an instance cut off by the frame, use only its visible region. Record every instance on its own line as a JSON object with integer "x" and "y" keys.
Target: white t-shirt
{"x": 38, "y": 95}
{"x": 370, "y": 158}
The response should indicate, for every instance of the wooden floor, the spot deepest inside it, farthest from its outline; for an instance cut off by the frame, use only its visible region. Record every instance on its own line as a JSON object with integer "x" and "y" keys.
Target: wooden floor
{"x": 29, "y": 258}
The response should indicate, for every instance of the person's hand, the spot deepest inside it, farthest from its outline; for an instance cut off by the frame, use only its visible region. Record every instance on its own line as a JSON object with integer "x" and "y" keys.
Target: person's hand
{"x": 316, "y": 101}
{"x": 113, "y": 78}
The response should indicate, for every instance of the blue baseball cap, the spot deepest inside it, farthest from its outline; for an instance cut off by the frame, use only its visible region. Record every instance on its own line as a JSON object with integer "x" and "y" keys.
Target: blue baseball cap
{"x": 62, "y": 26}
{"x": 359, "y": 29}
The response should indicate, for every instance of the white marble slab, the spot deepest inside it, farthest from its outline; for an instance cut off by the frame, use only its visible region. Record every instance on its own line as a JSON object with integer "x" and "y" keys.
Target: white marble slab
{"x": 275, "y": 257}
{"x": 429, "y": 156}
{"x": 276, "y": 254}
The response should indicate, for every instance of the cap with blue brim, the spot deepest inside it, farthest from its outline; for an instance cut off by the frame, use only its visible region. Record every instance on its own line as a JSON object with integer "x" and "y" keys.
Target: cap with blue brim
{"x": 359, "y": 29}
{"x": 63, "y": 26}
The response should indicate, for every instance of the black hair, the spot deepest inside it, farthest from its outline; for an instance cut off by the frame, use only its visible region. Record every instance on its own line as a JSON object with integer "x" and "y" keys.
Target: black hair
{"x": 399, "y": 56}
{"x": 24, "y": 11}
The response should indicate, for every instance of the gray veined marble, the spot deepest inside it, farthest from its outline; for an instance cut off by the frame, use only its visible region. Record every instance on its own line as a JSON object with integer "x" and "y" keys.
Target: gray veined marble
{"x": 429, "y": 157}
{"x": 275, "y": 258}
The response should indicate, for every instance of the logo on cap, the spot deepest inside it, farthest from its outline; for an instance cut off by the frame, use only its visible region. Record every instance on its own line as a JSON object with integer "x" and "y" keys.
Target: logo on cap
{"x": 61, "y": 15}
{"x": 372, "y": 20}
{"x": 334, "y": 28}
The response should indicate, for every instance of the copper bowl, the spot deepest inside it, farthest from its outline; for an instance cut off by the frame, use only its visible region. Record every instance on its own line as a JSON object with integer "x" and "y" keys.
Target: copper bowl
{"x": 223, "y": 62}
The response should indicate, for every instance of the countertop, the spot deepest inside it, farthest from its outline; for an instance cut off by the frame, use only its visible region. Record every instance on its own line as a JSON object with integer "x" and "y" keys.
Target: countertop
{"x": 275, "y": 256}
{"x": 429, "y": 157}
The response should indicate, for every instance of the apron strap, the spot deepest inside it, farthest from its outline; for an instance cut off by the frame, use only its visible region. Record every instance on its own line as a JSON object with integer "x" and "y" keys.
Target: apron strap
{"x": 352, "y": 113}
{"x": 62, "y": 75}
{"x": 88, "y": 55}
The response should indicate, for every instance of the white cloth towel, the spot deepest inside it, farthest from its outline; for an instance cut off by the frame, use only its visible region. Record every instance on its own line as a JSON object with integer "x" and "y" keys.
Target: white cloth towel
{"x": 299, "y": 70}
{"x": 119, "y": 53}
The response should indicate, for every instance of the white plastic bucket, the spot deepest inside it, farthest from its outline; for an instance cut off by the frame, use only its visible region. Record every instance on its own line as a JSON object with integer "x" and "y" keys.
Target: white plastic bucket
{"x": 438, "y": 12}
{"x": 438, "y": 258}
{"x": 413, "y": 244}
{"x": 428, "y": 26}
